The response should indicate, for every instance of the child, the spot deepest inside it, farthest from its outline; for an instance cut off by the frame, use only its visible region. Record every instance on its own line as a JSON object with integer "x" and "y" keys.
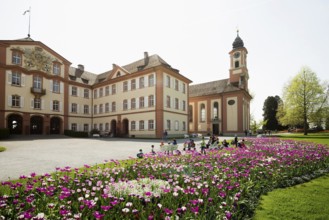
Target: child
{"x": 140, "y": 154}
{"x": 152, "y": 150}
{"x": 203, "y": 146}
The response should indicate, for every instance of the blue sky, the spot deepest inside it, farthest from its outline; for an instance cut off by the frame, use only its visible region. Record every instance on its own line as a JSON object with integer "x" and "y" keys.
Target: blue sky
{"x": 193, "y": 36}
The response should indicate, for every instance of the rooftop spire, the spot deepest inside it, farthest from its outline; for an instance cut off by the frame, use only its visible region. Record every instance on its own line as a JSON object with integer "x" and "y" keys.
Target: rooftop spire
{"x": 238, "y": 42}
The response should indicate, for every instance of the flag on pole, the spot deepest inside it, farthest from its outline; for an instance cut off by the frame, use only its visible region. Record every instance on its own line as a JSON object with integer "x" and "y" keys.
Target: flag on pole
{"x": 26, "y": 12}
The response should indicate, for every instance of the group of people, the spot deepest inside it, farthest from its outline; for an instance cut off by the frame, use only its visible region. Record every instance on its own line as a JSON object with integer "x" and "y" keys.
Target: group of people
{"x": 213, "y": 143}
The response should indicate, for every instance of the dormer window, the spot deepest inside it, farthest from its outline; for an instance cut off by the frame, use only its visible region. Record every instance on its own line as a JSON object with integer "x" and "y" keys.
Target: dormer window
{"x": 56, "y": 69}
{"x": 236, "y": 64}
{"x": 118, "y": 73}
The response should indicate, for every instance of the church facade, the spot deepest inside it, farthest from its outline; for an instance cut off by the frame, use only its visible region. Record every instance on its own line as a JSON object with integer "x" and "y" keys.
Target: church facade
{"x": 222, "y": 107}
{"x": 40, "y": 93}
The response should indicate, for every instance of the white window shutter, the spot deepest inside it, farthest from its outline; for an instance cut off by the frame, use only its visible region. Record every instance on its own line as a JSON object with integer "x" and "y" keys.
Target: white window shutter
{"x": 70, "y": 90}
{"x": 154, "y": 100}
{"x": 22, "y": 101}
{"x": 146, "y": 125}
{"x": 137, "y": 125}
{"x": 70, "y": 106}
{"x": 9, "y": 80}
{"x": 51, "y": 85}
{"x": 61, "y": 87}
{"x": 137, "y": 103}
{"x": 32, "y": 103}
{"x": 146, "y": 101}
{"x": 78, "y": 91}
{"x": 51, "y": 105}
{"x": 42, "y": 104}
{"x": 78, "y": 108}
{"x": 22, "y": 79}
{"x": 137, "y": 83}
{"x": 60, "y": 106}
{"x": 10, "y": 100}
{"x": 128, "y": 104}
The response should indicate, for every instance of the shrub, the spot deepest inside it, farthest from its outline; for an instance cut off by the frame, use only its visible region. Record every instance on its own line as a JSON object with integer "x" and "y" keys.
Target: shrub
{"x": 79, "y": 134}
{"x": 4, "y": 133}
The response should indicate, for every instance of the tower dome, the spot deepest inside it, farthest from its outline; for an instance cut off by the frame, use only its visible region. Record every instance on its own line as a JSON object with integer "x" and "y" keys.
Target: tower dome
{"x": 238, "y": 42}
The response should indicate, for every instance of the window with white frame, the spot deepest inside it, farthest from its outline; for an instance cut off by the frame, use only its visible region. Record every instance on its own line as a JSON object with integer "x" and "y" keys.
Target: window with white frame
{"x": 141, "y": 125}
{"x": 37, "y": 83}
{"x": 86, "y": 109}
{"x": 95, "y": 126}
{"x": 202, "y": 113}
{"x": 176, "y": 85}
{"x": 55, "y": 105}
{"x": 85, "y": 127}
{"x": 107, "y": 107}
{"x": 184, "y": 105}
{"x": 176, "y": 103}
{"x": 168, "y": 101}
{"x": 141, "y": 82}
{"x": 100, "y": 108}
{"x": 107, "y": 126}
{"x": 151, "y": 124}
{"x": 176, "y": 125}
{"x": 74, "y": 127}
{"x": 184, "y": 126}
{"x": 151, "y": 80}
{"x": 151, "y": 100}
{"x": 184, "y": 88}
{"x": 125, "y": 86}
{"x": 114, "y": 106}
{"x": 56, "y": 69}
{"x": 95, "y": 94}
{"x": 133, "y": 103}
{"x": 107, "y": 90}
{"x": 37, "y": 103}
{"x": 15, "y": 101}
{"x": 133, "y": 125}
{"x": 168, "y": 125}
{"x": 74, "y": 108}
{"x": 100, "y": 92}
{"x": 86, "y": 93}
{"x": 74, "y": 91}
{"x": 125, "y": 104}
{"x": 56, "y": 86}
{"x": 141, "y": 102}
{"x": 16, "y": 78}
{"x": 133, "y": 84}
{"x": 95, "y": 109}
{"x": 101, "y": 126}
{"x": 16, "y": 57}
{"x": 168, "y": 81}
{"x": 114, "y": 89}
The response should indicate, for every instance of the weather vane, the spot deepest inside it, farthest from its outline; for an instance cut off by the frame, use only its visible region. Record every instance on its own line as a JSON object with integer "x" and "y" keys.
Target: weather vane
{"x": 28, "y": 11}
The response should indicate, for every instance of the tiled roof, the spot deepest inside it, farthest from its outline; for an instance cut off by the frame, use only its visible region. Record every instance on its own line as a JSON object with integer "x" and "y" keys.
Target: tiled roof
{"x": 211, "y": 88}
{"x": 145, "y": 63}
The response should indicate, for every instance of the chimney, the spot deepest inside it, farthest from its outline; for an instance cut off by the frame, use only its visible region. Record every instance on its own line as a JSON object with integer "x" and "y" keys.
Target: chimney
{"x": 146, "y": 58}
{"x": 81, "y": 67}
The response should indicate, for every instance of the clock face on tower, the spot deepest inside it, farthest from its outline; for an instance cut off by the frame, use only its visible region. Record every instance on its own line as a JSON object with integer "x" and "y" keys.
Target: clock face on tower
{"x": 236, "y": 55}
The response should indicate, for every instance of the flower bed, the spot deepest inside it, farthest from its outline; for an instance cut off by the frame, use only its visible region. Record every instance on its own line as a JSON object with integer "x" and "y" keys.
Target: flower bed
{"x": 220, "y": 185}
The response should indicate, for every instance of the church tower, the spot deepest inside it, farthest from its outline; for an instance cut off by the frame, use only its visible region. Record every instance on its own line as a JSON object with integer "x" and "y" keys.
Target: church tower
{"x": 238, "y": 69}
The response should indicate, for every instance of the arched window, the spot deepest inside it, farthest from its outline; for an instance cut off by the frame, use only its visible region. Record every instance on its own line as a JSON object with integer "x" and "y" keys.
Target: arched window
{"x": 190, "y": 113}
{"x": 215, "y": 110}
{"x": 236, "y": 64}
{"x": 203, "y": 112}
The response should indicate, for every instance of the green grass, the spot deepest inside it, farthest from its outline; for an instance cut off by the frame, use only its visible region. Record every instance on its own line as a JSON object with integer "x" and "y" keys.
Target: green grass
{"x": 304, "y": 201}
{"x": 2, "y": 149}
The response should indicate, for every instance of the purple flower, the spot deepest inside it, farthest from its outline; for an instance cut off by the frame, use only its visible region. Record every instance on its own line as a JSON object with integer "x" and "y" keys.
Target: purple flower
{"x": 98, "y": 215}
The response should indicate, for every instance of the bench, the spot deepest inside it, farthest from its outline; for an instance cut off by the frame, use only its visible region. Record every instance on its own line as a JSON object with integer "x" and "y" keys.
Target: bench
{"x": 96, "y": 135}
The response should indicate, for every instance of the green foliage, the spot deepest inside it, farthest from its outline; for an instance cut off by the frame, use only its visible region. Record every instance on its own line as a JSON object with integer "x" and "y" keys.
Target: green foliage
{"x": 303, "y": 99}
{"x": 2, "y": 149}
{"x": 79, "y": 134}
{"x": 270, "y": 109}
{"x": 4, "y": 133}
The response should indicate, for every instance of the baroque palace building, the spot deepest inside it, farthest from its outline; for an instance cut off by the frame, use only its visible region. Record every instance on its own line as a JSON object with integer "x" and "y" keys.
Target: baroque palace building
{"x": 40, "y": 93}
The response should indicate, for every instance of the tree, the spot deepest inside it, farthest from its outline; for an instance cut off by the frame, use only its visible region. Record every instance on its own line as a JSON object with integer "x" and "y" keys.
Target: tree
{"x": 303, "y": 99}
{"x": 270, "y": 109}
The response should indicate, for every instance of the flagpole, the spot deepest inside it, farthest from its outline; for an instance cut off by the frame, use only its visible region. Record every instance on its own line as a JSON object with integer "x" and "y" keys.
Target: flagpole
{"x": 29, "y": 22}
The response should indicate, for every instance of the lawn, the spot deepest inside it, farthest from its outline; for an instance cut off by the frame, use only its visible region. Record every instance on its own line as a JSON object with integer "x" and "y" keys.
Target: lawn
{"x": 304, "y": 201}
